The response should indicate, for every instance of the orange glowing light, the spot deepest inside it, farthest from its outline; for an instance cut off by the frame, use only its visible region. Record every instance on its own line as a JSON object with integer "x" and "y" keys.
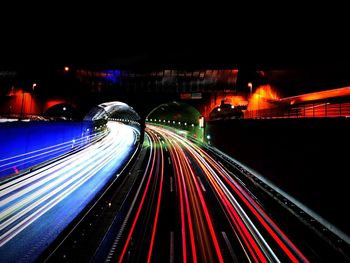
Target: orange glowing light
{"x": 20, "y": 102}
{"x": 262, "y": 98}
{"x": 325, "y": 94}
{"x": 53, "y": 102}
{"x": 227, "y": 98}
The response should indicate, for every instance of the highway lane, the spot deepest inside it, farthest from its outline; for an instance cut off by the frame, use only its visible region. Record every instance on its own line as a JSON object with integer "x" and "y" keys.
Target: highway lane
{"x": 36, "y": 207}
{"x": 144, "y": 209}
{"x": 190, "y": 209}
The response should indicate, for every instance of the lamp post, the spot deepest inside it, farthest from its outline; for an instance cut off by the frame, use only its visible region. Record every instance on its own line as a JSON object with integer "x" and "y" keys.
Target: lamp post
{"x": 31, "y": 100}
{"x": 250, "y": 86}
{"x": 22, "y": 106}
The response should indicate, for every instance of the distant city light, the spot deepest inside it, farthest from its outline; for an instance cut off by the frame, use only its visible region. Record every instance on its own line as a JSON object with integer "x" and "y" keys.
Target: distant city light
{"x": 208, "y": 137}
{"x": 64, "y": 108}
{"x": 232, "y": 106}
{"x": 66, "y": 69}
{"x": 219, "y": 109}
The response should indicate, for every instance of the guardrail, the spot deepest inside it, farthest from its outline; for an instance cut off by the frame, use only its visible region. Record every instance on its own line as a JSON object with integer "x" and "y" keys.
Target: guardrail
{"x": 22, "y": 163}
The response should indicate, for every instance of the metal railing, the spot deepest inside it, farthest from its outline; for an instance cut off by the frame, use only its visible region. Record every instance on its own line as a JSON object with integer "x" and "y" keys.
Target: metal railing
{"x": 310, "y": 110}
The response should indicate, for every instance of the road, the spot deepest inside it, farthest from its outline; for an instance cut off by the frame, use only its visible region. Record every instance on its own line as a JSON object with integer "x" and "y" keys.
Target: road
{"x": 179, "y": 201}
{"x": 189, "y": 208}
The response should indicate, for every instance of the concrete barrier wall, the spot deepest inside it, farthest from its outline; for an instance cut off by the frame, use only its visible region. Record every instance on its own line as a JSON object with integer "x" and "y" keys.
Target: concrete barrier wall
{"x": 23, "y": 140}
{"x": 308, "y": 158}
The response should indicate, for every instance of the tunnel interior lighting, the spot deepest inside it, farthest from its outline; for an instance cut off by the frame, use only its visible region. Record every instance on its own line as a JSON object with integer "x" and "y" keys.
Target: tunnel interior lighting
{"x": 201, "y": 122}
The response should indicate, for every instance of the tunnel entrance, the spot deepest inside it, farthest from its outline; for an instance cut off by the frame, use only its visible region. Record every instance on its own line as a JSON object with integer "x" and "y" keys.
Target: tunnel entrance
{"x": 114, "y": 111}
{"x": 182, "y": 117}
{"x": 62, "y": 111}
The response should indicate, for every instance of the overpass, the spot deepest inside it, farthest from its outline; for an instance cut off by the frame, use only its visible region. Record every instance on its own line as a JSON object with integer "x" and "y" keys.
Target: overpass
{"x": 213, "y": 93}
{"x": 268, "y": 146}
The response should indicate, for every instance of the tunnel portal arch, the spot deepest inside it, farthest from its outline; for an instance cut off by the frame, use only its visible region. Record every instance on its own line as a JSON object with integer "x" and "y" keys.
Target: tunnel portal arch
{"x": 177, "y": 115}
{"x": 112, "y": 109}
{"x": 62, "y": 110}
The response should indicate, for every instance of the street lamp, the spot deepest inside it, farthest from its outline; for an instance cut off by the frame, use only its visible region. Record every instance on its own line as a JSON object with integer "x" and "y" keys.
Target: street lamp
{"x": 21, "y": 116}
{"x": 250, "y": 86}
{"x": 31, "y": 100}
{"x": 208, "y": 138}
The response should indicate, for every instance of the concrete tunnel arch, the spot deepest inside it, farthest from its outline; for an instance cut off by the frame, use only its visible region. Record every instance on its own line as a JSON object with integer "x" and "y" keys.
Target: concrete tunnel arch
{"x": 62, "y": 110}
{"x": 178, "y": 115}
{"x": 113, "y": 109}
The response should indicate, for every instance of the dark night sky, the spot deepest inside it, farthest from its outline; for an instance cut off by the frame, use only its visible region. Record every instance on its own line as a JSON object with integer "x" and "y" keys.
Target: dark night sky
{"x": 175, "y": 36}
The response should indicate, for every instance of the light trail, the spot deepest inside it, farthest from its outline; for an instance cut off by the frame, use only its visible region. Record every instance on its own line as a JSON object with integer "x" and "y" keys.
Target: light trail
{"x": 261, "y": 239}
{"x": 152, "y": 172}
{"x": 59, "y": 190}
{"x": 34, "y": 157}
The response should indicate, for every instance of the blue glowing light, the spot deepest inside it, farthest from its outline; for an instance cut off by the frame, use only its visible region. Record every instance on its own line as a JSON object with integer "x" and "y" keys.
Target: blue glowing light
{"x": 23, "y": 140}
{"x": 112, "y": 76}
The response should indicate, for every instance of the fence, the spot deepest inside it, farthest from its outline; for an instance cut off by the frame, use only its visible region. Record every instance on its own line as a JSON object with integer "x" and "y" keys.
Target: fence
{"x": 310, "y": 110}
